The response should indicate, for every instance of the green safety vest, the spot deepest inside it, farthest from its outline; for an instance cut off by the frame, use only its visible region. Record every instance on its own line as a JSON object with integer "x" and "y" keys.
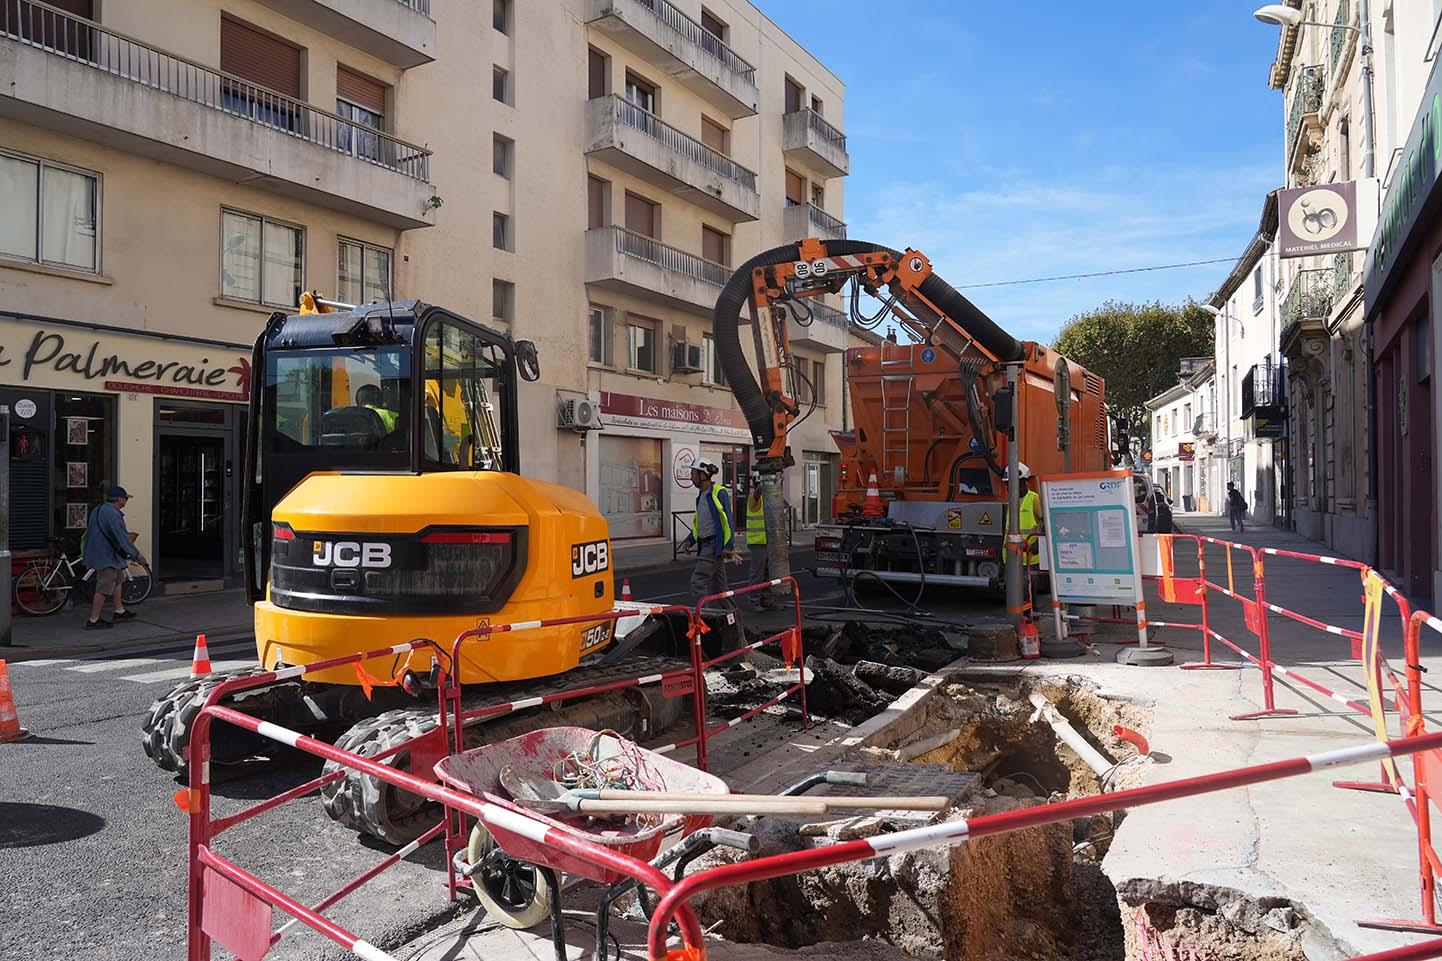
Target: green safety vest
{"x": 755, "y": 522}
{"x": 725, "y": 532}
{"x": 388, "y": 417}
{"x": 1030, "y": 516}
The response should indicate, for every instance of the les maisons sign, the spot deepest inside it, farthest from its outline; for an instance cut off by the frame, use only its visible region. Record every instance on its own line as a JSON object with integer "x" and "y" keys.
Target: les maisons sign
{"x": 40, "y": 355}
{"x": 1411, "y": 194}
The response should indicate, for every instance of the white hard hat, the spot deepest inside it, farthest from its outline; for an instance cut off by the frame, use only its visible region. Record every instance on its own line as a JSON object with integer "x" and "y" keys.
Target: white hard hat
{"x": 704, "y": 466}
{"x": 1022, "y": 471}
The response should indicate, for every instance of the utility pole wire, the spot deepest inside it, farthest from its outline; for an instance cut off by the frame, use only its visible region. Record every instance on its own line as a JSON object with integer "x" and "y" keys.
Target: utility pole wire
{"x": 1099, "y": 273}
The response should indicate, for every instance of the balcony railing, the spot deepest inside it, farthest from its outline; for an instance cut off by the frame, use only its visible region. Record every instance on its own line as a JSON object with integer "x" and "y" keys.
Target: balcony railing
{"x": 641, "y": 247}
{"x": 824, "y": 130}
{"x": 1306, "y": 99}
{"x": 83, "y": 41}
{"x": 1342, "y": 269}
{"x": 1310, "y": 296}
{"x": 826, "y": 314}
{"x": 674, "y": 140}
{"x": 1262, "y": 387}
{"x": 824, "y": 223}
{"x": 1205, "y": 424}
{"x": 422, "y": 7}
{"x": 711, "y": 44}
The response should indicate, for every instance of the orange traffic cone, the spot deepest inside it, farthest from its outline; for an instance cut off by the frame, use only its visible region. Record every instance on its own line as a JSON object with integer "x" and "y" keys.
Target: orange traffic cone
{"x": 200, "y": 661}
{"x": 10, "y": 729}
{"x": 625, "y": 588}
{"x": 872, "y": 506}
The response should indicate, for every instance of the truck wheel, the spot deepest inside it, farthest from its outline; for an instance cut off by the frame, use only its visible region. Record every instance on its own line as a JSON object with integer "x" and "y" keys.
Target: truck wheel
{"x": 513, "y": 892}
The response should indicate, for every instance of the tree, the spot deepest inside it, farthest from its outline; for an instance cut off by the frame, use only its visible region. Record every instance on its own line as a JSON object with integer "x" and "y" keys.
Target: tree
{"x": 1136, "y": 349}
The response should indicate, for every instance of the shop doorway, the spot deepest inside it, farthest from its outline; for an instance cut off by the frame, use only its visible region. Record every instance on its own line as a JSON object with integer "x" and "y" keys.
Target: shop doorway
{"x": 197, "y": 449}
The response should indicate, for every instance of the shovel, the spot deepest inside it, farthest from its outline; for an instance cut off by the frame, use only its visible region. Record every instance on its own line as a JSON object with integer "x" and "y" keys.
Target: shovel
{"x": 538, "y": 793}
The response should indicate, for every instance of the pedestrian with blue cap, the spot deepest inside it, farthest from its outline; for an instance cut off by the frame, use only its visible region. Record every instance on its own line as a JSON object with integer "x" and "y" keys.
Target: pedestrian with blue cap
{"x": 108, "y": 550}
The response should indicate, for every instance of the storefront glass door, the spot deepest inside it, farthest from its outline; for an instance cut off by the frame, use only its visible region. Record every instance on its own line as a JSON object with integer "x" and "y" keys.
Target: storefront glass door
{"x": 197, "y": 449}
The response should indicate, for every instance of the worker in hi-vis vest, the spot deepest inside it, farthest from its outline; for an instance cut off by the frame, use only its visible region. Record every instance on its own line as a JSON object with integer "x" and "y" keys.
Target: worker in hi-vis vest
{"x": 712, "y": 533}
{"x": 760, "y": 570}
{"x": 1030, "y": 525}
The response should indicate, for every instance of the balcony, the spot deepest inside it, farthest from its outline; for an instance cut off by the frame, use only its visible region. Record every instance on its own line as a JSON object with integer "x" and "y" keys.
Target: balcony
{"x": 640, "y": 143}
{"x": 827, "y": 329}
{"x": 1205, "y": 425}
{"x": 1304, "y": 115}
{"x": 666, "y": 37}
{"x": 1264, "y": 399}
{"x": 808, "y": 220}
{"x": 626, "y": 262}
{"x": 76, "y": 77}
{"x": 809, "y": 140}
{"x": 1309, "y": 299}
{"x": 398, "y": 32}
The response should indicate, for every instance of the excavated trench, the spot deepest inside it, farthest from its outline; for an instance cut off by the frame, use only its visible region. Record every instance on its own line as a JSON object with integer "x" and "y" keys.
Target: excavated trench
{"x": 1039, "y": 893}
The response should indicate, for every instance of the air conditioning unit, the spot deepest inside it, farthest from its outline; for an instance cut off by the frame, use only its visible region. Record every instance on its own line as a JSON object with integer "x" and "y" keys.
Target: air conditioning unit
{"x": 578, "y": 414}
{"x": 686, "y": 359}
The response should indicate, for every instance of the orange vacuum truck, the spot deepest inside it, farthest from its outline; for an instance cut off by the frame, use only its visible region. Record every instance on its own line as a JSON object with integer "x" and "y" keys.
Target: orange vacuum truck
{"x": 932, "y": 415}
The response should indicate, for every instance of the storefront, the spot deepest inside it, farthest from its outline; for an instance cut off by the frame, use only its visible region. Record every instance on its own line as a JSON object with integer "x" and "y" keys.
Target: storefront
{"x": 639, "y": 468}
{"x": 164, "y": 417}
{"x": 1403, "y": 283}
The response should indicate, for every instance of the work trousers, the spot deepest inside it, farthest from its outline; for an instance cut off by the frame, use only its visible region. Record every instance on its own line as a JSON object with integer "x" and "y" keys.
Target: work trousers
{"x": 708, "y": 577}
{"x": 759, "y": 572}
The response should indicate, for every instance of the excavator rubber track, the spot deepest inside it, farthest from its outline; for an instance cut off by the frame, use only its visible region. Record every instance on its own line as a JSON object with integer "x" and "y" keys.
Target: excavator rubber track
{"x": 165, "y": 732}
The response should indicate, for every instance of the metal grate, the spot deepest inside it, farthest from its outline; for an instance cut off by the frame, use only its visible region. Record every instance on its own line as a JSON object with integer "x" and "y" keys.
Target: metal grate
{"x": 47, "y": 28}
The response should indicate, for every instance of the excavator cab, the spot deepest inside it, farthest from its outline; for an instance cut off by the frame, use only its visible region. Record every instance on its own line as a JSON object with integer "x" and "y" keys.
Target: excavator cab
{"x": 401, "y": 387}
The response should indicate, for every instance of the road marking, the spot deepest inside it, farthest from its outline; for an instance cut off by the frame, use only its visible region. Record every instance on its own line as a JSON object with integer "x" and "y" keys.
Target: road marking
{"x": 44, "y": 662}
{"x": 176, "y": 673}
{"x": 95, "y": 667}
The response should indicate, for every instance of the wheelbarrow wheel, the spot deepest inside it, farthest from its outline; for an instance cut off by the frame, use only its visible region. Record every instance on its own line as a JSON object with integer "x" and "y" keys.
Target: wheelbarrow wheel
{"x": 512, "y": 892}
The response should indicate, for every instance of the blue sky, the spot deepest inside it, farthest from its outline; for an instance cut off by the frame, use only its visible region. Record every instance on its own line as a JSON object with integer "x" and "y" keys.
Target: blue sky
{"x": 1011, "y": 140}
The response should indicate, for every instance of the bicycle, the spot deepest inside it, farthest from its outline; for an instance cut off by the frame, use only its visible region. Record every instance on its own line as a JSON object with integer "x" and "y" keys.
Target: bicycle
{"x": 45, "y": 584}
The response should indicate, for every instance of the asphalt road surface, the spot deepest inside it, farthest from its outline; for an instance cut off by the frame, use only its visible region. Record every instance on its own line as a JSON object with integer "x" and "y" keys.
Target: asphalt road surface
{"x": 92, "y": 848}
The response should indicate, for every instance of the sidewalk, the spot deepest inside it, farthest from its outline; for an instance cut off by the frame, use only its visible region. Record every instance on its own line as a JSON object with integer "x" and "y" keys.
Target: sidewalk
{"x": 216, "y": 614}
{"x": 641, "y": 557}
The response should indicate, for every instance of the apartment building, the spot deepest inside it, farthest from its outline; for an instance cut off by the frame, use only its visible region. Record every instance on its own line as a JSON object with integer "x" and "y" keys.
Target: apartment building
{"x": 1183, "y": 423}
{"x": 582, "y": 173}
{"x": 1247, "y": 438}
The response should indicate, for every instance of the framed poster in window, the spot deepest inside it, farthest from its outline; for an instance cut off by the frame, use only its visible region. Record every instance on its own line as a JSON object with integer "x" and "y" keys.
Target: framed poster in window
{"x": 77, "y": 474}
{"x": 75, "y": 516}
{"x": 77, "y": 431}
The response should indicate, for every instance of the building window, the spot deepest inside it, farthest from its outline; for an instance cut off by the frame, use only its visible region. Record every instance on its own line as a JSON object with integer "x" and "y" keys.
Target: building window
{"x": 715, "y": 136}
{"x": 501, "y": 16}
{"x": 501, "y": 85}
{"x": 818, "y": 196}
{"x": 715, "y": 246}
{"x": 503, "y": 301}
{"x": 598, "y": 202}
{"x": 364, "y": 273}
{"x": 641, "y": 93}
{"x": 1176, "y": 424}
{"x": 642, "y": 216}
{"x": 501, "y": 238}
{"x": 816, "y": 105}
{"x": 713, "y": 25}
{"x": 795, "y": 96}
{"x": 818, "y": 381}
{"x": 598, "y": 73}
{"x": 54, "y": 213}
{"x": 82, "y": 468}
{"x": 1257, "y": 297}
{"x": 362, "y": 101}
{"x": 599, "y": 335}
{"x": 713, "y": 373}
{"x": 262, "y": 261}
{"x": 502, "y": 155}
{"x": 641, "y": 345}
{"x": 795, "y": 188}
{"x": 1186, "y": 418}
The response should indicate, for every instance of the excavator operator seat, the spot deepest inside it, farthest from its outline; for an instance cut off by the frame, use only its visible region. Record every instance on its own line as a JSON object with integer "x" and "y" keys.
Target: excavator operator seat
{"x": 356, "y": 427}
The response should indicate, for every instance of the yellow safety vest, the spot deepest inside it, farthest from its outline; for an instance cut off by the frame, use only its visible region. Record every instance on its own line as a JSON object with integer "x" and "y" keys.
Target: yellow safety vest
{"x": 755, "y": 522}
{"x": 388, "y": 417}
{"x": 1030, "y": 516}
{"x": 725, "y": 532}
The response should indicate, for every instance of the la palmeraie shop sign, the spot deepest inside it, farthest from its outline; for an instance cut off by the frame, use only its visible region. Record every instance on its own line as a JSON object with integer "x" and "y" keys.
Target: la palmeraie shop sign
{"x": 151, "y": 367}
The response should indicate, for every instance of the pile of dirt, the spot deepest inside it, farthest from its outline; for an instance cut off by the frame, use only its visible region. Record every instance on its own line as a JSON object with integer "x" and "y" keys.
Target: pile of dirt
{"x": 925, "y": 648}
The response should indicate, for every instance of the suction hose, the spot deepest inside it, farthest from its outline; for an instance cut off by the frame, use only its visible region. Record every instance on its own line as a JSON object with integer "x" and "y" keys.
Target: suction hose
{"x": 727, "y": 319}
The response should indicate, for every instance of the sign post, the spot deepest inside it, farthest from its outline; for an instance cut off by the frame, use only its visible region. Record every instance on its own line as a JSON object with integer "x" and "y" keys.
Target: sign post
{"x": 1092, "y": 545}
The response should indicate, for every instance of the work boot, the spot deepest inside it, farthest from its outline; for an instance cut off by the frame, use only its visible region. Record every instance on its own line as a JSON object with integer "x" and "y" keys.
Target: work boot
{"x": 100, "y": 625}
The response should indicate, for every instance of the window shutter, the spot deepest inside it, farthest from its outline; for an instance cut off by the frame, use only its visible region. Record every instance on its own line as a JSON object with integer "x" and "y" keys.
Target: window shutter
{"x": 259, "y": 58}
{"x": 795, "y": 188}
{"x": 640, "y": 215}
{"x": 713, "y": 135}
{"x": 359, "y": 90}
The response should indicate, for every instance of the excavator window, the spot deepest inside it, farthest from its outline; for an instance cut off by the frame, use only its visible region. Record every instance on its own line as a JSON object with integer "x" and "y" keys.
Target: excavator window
{"x": 465, "y": 384}
{"x": 343, "y": 400}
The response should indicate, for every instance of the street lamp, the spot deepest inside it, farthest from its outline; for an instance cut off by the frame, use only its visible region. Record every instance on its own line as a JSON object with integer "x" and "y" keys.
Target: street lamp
{"x": 1284, "y": 16}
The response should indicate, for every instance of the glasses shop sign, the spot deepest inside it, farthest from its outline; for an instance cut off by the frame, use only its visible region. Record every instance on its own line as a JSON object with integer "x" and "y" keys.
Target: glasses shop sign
{"x": 60, "y": 357}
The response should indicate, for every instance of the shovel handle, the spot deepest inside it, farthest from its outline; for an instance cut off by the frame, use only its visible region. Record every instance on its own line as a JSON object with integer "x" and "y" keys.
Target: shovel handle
{"x": 705, "y": 804}
{"x": 847, "y": 803}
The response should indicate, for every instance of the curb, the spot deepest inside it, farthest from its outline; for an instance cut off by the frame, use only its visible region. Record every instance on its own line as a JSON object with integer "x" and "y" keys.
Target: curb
{"x": 20, "y": 653}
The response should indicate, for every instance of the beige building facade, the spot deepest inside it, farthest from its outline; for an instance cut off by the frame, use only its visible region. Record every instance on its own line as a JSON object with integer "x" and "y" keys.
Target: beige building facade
{"x": 582, "y": 173}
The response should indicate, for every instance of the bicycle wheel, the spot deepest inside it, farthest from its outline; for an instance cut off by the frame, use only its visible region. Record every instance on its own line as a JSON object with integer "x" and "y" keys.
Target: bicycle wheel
{"x": 138, "y": 583}
{"x": 41, "y": 589}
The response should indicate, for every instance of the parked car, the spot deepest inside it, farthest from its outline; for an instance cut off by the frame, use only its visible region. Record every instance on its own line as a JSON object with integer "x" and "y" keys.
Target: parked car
{"x": 1154, "y": 509}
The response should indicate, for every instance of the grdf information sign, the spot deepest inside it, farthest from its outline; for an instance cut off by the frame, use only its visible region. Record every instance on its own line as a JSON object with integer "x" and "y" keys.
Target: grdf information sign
{"x": 1091, "y": 529}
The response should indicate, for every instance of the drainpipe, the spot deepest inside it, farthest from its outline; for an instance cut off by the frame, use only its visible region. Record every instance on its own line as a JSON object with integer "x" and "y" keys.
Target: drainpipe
{"x": 1094, "y": 759}
{"x": 1369, "y": 383}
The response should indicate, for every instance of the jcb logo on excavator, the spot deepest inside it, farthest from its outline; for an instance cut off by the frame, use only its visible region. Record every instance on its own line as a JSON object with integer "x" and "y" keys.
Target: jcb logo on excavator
{"x": 350, "y": 554}
{"x": 589, "y": 558}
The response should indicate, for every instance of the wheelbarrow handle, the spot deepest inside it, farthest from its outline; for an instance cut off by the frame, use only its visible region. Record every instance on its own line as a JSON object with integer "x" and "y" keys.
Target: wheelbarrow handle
{"x": 833, "y": 803}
